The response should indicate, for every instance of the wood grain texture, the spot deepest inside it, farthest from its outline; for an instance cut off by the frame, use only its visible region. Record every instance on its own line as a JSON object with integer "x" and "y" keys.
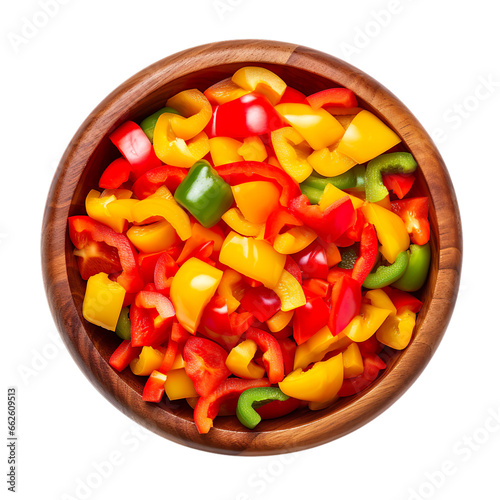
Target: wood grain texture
{"x": 90, "y": 151}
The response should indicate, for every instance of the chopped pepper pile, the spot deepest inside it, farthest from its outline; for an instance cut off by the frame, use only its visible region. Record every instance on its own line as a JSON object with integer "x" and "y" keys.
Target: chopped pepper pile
{"x": 254, "y": 248}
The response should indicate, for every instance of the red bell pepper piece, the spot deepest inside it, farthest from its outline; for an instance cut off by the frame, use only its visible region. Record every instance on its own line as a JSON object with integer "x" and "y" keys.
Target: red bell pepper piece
{"x": 370, "y": 346}
{"x": 316, "y": 288}
{"x": 169, "y": 358}
{"x": 216, "y": 323}
{"x": 205, "y": 364}
{"x": 83, "y": 230}
{"x": 372, "y": 366}
{"x": 116, "y": 174}
{"x": 179, "y": 334}
{"x": 165, "y": 268}
{"x": 148, "y": 183}
{"x": 337, "y": 97}
{"x": 251, "y": 282}
{"x": 309, "y": 319}
{"x": 346, "y": 302}
{"x": 151, "y": 315}
{"x": 367, "y": 254}
{"x": 147, "y": 263}
{"x": 312, "y": 261}
{"x": 97, "y": 257}
{"x": 207, "y": 408}
{"x": 261, "y": 302}
{"x": 276, "y": 409}
{"x": 205, "y": 251}
{"x": 331, "y": 223}
{"x": 292, "y": 267}
{"x": 399, "y": 184}
{"x": 283, "y": 334}
{"x": 272, "y": 355}
{"x": 277, "y": 220}
{"x": 355, "y": 231}
{"x": 336, "y": 273}
{"x": 249, "y": 115}
{"x": 123, "y": 355}
{"x": 288, "y": 348}
{"x": 403, "y": 300}
{"x": 240, "y": 322}
{"x": 246, "y": 171}
{"x": 135, "y": 146}
{"x": 292, "y": 95}
{"x": 414, "y": 212}
{"x": 155, "y": 387}
{"x": 197, "y": 243}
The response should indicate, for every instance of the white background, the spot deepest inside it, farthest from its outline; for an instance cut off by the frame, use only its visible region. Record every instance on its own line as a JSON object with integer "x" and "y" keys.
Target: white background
{"x": 436, "y": 57}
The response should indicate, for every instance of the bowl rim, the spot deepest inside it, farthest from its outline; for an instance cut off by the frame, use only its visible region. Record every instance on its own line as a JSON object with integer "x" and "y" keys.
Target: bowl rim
{"x": 109, "y": 113}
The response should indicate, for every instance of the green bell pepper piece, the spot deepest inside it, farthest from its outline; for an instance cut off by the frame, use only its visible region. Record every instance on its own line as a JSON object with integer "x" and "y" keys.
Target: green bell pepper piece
{"x": 204, "y": 194}
{"x": 313, "y": 194}
{"x": 343, "y": 181}
{"x": 389, "y": 163}
{"x": 349, "y": 258}
{"x": 417, "y": 270}
{"x": 123, "y": 325}
{"x": 253, "y": 398}
{"x": 385, "y": 275}
{"x": 359, "y": 174}
{"x": 149, "y": 123}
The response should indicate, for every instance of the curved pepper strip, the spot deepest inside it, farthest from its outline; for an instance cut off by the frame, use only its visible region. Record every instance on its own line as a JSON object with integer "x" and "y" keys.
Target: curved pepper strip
{"x": 260, "y": 80}
{"x": 207, "y": 408}
{"x": 294, "y": 240}
{"x": 277, "y": 409}
{"x": 418, "y": 267}
{"x": 148, "y": 183}
{"x": 367, "y": 254}
{"x": 414, "y": 212}
{"x": 403, "y": 300}
{"x": 277, "y": 220}
{"x": 246, "y": 171}
{"x": 83, "y": 230}
{"x": 235, "y": 220}
{"x": 162, "y": 204}
{"x": 253, "y": 398}
{"x": 292, "y": 151}
{"x": 366, "y": 323}
{"x": 399, "y": 184}
{"x": 196, "y": 112}
{"x": 346, "y": 302}
{"x": 116, "y": 173}
{"x": 175, "y": 151}
{"x": 290, "y": 292}
{"x": 224, "y": 91}
{"x": 390, "y": 163}
{"x": 155, "y": 387}
{"x": 385, "y": 275}
{"x": 123, "y": 355}
{"x": 272, "y": 355}
{"x": 231, "y": 288}
{"x": 149, "y": 123}
{"x": 240, "y": 361}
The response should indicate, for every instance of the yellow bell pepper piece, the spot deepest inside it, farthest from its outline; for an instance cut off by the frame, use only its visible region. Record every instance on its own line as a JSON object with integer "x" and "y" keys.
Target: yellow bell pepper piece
{"x": 97, "y": 205}
{"x": 320, "y": 383}
{"x": 318, "y": 127}
{"x": 224, "y": 150}
{"x": 196, "y": 112}
{"x": 384, "y": 203}
{"x": 224, "y": 91}
{"x": 254, "y": 258}
{"x": 294, "y": 240}
{"x": 232, "y": 289}
{"x": 391, "y": 230}
{"x": 290, "y": 292}
{"x": 256, "y": 200}
{"x": 175, "y": 151}
{"x": 154, "y": 237}
{"x": 164, "y": 206}
{"x": 366, "y": 323}
{"x": 315, "y": 348}
{"x": 378, "y": 298}
{"x": 329, "y": 162}
{"x": 178, "y": 362}
{"x": 253, "y": 149}
{"x": 149, "y": 359}
{"x": 332, "y": 194}
{"x": 260, "y": 80}
{"x": 103, "y": 301}
{"x": 240, "y": 361}
{"x": 292, "y": 152}
{"x": 367, "y": 137}
{"x": 122, "y": 209}
{"x": 353, "y": 361}
{"x": 397, "y": 330}
{"x": 179, "y": 386}
{"x": 278, "y": 321}
{"x": 235, "y": 220}
{"x": 193, "y": 286}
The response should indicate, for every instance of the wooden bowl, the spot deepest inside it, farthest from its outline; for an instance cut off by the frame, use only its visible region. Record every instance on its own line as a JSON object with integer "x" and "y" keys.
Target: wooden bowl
{"x": 90, "y": 151}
